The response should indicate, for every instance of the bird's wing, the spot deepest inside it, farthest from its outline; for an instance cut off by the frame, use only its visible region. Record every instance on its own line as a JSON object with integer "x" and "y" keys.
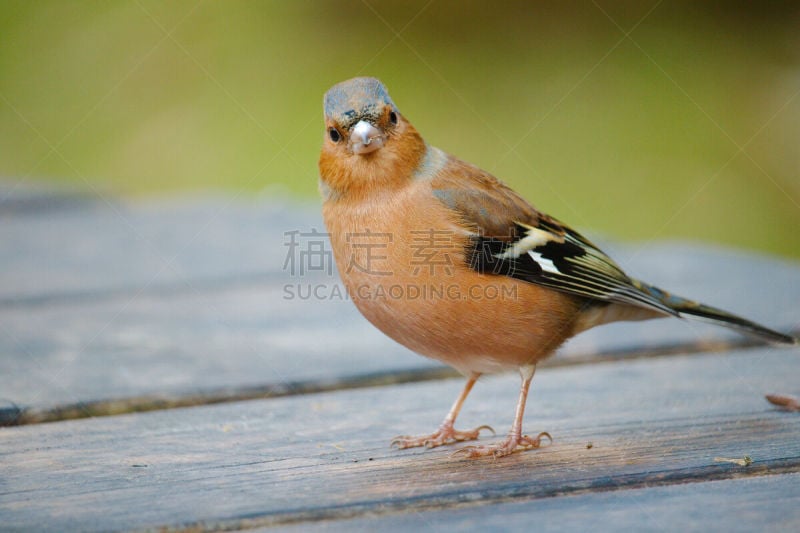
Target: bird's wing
{"x": 510, "y": 237}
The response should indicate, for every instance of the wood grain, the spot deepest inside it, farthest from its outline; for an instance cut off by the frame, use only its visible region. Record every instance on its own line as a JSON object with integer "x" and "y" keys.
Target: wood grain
{"x": 325, "y": 456}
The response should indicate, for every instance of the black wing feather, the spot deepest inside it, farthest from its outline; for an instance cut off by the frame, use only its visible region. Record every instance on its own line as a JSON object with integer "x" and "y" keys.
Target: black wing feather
{"x": 564, "y": 261}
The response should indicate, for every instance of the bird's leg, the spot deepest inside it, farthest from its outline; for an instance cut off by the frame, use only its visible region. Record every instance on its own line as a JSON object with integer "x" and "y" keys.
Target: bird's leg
{"x": 515, "y": 441}
{"x": 446, "y": 434}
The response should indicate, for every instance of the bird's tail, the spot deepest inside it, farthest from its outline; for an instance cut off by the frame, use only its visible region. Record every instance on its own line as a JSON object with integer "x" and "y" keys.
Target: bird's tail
{"x": 689, "y": 309}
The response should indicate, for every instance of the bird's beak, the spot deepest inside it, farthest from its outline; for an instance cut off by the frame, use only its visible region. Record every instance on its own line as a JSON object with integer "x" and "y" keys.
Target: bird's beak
{"x": 365, "y": 138}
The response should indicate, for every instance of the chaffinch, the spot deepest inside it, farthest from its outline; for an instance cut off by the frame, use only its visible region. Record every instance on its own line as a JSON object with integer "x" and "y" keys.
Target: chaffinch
{"x": 448, "y": 261}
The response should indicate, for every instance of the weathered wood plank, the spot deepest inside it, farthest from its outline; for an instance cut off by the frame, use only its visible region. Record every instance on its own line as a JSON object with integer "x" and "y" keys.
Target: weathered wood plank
{"x": 185, "y": 345}
{"x": 124, "y": 248}
{"x": 115, "y": 247}
{"x": 166, "y": 349}
{"x": 325, "y": 456}
{"x": 167, "y": 303}
{"x": 766, "y": 503}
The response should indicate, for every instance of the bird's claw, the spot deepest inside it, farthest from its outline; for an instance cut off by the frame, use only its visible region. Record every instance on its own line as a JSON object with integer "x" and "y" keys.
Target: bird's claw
{"x": 507, "y": 447}
{"x": 536, "y": 442}
{"x": 444, "y": 435}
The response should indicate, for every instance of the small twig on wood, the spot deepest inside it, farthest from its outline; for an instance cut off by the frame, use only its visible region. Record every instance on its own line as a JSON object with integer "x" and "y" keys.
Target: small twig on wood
{"x": 791, "y": 403}
{"x": 744, "y": 461}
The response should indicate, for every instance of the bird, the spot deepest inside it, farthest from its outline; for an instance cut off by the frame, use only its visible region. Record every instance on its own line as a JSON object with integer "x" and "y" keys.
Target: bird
{"x": 450, "y": 262}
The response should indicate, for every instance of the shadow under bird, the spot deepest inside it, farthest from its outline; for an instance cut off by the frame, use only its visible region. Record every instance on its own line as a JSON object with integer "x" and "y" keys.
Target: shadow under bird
{"x": 448, "y": 261}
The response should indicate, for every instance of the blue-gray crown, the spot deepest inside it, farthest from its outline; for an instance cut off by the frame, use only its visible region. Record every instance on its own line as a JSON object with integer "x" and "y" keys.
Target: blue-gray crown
{"x": 356, "y": 99}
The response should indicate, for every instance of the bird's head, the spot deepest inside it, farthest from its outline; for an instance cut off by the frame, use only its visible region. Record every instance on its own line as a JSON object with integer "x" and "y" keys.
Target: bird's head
{"x": 368, "y": 144}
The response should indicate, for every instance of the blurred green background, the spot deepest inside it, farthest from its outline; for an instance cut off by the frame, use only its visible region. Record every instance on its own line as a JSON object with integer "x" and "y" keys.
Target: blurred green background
{"x": 687, "y": 127}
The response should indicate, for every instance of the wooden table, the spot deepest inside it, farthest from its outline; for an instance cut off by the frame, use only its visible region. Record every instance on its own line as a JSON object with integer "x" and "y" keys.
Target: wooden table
{"x": 160, "y": 371}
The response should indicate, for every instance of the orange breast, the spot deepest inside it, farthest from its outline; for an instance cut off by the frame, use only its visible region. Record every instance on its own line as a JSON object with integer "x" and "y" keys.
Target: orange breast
{"x": 402, "y": 258}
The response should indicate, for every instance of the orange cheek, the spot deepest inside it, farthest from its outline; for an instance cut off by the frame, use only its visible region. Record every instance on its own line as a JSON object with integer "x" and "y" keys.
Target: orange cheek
{"x": 388, "y": 168}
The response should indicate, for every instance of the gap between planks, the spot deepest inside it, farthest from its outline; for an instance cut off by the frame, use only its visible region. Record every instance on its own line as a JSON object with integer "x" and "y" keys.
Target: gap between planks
{"x": 14, "y": 415}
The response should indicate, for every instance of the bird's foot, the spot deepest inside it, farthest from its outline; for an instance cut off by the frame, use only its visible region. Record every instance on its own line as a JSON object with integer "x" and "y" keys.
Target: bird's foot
{"x": 446, "y": 434}
{"x": 513, "y": 443}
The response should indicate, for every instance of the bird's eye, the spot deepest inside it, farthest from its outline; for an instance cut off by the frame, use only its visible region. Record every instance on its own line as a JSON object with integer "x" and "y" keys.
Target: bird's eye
{"x": 393, "y": 117}
{"x": 334, "y": 135}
